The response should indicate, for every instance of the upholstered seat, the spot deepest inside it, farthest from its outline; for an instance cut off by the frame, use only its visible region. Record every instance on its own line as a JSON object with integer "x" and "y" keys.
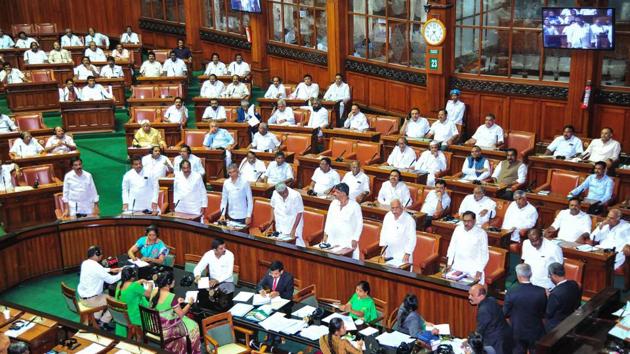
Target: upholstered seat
{"x": 192, "y": 137}
{"x": 343, "y": 148}
{"x": 213, "y": 211}
{"x": 386, "y": 125}
{"x": 42, "y": 174}
{"x": 561, "y": 182}
{"x": 523, "y": 142}
{"x": 152, "y": 114}
{"x": 426, "y": 255}
{"x": 30, "y": 122}
{"x": 301, "y": 116}
{"x": 40, "y": 75}
{"x": 416, "y": 191}
{"x": 370, "y": 236}
{"x": 142, "y": 91}
{"x": 314, "y": 221}
{"x": 262, "y": 216}
{"x": 495, "y": 271}
{"x": 574, "y": 270}
{"x": 219, "y": 335}
{"x": 368, "y": 152}
{"x": 46, "y": 28}
{"x": 299, "y": 144}
{"x": 86, "y": 313}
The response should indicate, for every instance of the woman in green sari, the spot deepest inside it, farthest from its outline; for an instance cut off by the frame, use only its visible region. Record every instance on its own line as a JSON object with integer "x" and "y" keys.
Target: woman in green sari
{"x": 173, "y": 316}
{"x": 361, "y": 305}
{"x": 131, "y": 291}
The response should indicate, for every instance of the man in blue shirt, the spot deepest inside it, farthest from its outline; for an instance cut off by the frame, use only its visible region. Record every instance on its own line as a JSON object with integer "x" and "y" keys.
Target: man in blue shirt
{"x": 219, "y": 138}
{"x": 599, "y": 185}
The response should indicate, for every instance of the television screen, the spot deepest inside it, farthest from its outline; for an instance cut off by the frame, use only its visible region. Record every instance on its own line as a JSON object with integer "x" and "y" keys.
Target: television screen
{"x": 246, "y": 5}
{"x": 579, "y": 28}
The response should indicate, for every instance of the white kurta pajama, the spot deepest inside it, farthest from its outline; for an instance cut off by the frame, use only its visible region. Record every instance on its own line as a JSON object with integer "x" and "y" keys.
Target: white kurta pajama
{"x": 189, "y": 193}
{"x": 139, "y": 190}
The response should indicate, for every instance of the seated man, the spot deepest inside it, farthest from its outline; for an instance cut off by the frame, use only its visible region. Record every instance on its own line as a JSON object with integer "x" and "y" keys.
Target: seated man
{"x": 70, "y": 39}
{"x": 510, "y": 172}
{"x": 344, "y": 223}
{"x": 279, "y": 171}
{"x": 415, "y": 126}
{"x": 111, "y": 70}
{"x": 277, "y": 282}
{"x": 236, "y": 198}
{"x": 176, "y": 113}
{"x": 357, "y": 181}
{"x": 92, "y": 279}
{"x": 276, "y": 90}
{"x": 100, "y": 39}
{"x": 94, "y": 91}
{"x": 215, "y": 67}
{"x": 252, "y": 168}
{"x": 24, "y": 41}
{"x": 480, "y": 204}
{"x": 174, "y": 66}
{"x": 129, "y": 36}
{"x": 10, "y": 75}
{"x": 356, "y": 120}
{"x": 392, "y": 189}
{"x": 567, "y": 145}
{"x": 455, "y": 108}
{"x": 147, "y": 136}
{"x": 288, "y": 212}
{"x": 539, "y": 253}
{"x": 489, "y": 135}
{"x": 94, "y": 53}
{"x": 6, "y": 42}
{"x": 212, "y": 88}
{"x": 182, "y": 52}
{"x": 443, "y": 130}
{"x": 468, "y": 249}
{"x": 219, "y": 262}
{"x": 214, "y": 111}
{"x": 476, "y": 167}
{"x": 25, "y": 146}
{"x": 599, "y": 185}
{"x": 120, "y": 53}
{"x": 85, "y": 70}
{"x": 572, "y": 224}
{"x": 520, "y": 216}
{"x": 189, "y": 191}
{"x": 604, "y": 149}
{"x": 60, "y": 142}
{"x": 156, "y": 163}
{"x": 185, "y": 153}
{"x": 282, "y": 115}
{"x": 398, "y": 235}
{"x": 613, "y": 233}
{"x": 59, "y": 55}
{"x": 402, "y": 156}
{"x": 236, "y": 89}
{"x": 69, "y": 93}
{"x": 35, "y": 55}
{"x": 436, "y": 203}
{"x": 264, "y": 140}
{"x": 238, "y": 67}
{"x": 324, "y": 178}
{"x": 139, "y": 189}
{"x": 219, "y": 138}
{"x": 338, "y": 92}
{"x": 433, "y": 162}
{"x": 318, "y": 118}
{"x": 246, "y": 113}
{"x": 151, "y": 67}
{"x": 306, "y": 90}
{"x": 7, "y": 124}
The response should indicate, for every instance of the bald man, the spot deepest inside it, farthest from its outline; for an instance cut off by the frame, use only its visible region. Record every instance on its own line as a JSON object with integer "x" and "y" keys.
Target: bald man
{"x": 491, "y": 324}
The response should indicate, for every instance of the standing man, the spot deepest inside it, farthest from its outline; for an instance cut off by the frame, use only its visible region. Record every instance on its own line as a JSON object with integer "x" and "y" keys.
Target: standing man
{"x": 219, "y": 262}
{"x": 563, "y": 299}
{"x": 91, "y": 281}
{"x": 189, "y": 192}
{"x": 455, "y": 108}
{"x": 491, "y": 324}
{"x": 398, "y": 235}
{"x": 237, "y": 203}
{"x": 277, "y": 282}
{"x": 79, "y": 191}
{"x": 539, "y": 253}
{"x": 344, "y": 223}
{"x": 468, "y": 249}
{"x": 288, "y": 212}
{"x": 139, "y": 189}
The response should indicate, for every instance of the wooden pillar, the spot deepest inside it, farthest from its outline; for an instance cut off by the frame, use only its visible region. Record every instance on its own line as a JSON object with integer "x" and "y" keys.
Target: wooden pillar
{"x": 336, "y": 14}
{"x": 438, "y": 80}
{"x": 259, "y": 36}
{"x": 192, "y": 9}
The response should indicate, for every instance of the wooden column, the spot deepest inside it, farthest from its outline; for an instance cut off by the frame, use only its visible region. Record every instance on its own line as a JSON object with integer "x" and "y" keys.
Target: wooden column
{"x": 336, "y": 13}
{"x": 192, "y": 9}
{"x": 438, "y": 83}
{"x": 259, "y": 36}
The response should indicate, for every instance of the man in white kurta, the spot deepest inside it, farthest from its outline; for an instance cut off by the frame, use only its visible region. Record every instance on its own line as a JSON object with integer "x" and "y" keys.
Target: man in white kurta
{"x": 95, "y": 53}
{"x": 215, "y": 66}
{"x": 288, "y": 212}
{"x": 398, "y": 234}
{"x": 475, "y": 167}
{"x": 519, "y": 216}
{"x": 488, "y": 135}
{"x": 613, "y": 232}
{"x": 238, "y": 67}
{"x": 25, "y": 146}
{"x": 60, "y": 142}
{"x": 344, "y": 222}
{"x": 539, "y": 253}
{"x": 306, "y": 89}
{"x": 236, "y": 89}
{"x": 357, "y": 181}
{"x": 436, "y": 201}
{"x": 279, "y": 170}
{"x": 432, "y": 161}
{"x": 79, "y": 191}
{"x": 151, "y": 67}
{"x": 157, "y": 164}
{"x": 189, "y": 192}
{"x": 264, "y": 140}
{"x": 468, "y": 249}
{"x": 94, "y": 91}
{"x": 480, "y": 204}
{"x": 356, "y": 120}
{"x": 139, "y": 190}
{"x": 394, "y": 189}
{"x": 176, "y": 113}
{"x": 572, "y": 224}
{"x": 212, "y": 88}
{"x": 251, "y": 168}
{"x": 173, "y": 66}
{"x": 443, "y": 130}
{"x": 324, "y": 178}
{"x": 402, "y": 156}
{"x": 415, "y": 126}
{"x": 339, "y": 92}
{"x": 282, "y": 115}
{"x": 604, "y": 149}
{"x": 35, "y": 55}
{"x": 237, "y": 203}
{"x": 85, "y": 70}
{"x": 276, "y": 89}
{"x": 214, "y": 111}
{"x": 70, "y": 39}
{"x": 455, "y": 108}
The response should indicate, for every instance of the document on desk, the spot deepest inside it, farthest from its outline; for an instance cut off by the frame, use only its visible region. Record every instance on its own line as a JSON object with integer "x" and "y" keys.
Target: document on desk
{"x": 585, "y": 248}
{"x": 91, "y": 349}
{"x": 92, "y": 337}
{"x": 368, "y": 331}
{"x": 192, "y": 295}
{"x": 204, "y": 283}
{"x": 274, "y": 322}
{"x": 240, "y": 309}
{"x": 14, "y": 333}
{"x": 304, "y": 311}
{"x": 277, "y": 302}
{"x": 347, "y": 321}
{"x": 243, "y": 296}
{"x": 293, "y": 326}
{"x": 139, "y": 262}
{"x": 444, "y": 329}
{"x": 260, "y": 300}
{"x": 314, "y": 332}
{"x": 394, "y": 339}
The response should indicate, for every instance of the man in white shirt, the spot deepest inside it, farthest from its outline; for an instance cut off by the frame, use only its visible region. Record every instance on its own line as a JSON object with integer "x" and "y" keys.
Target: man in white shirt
{"x": 60, "y": 142}
{"x": 402, "y": 156}
{"x": 151, "y": 67}
{"x": 94, "y": 91}
{"x": 572, "y": 224}
{"x": 129, "y": 36}
{"x": 69, "y": 93}
{"x": 92, "y": 279}
{"x": 79, "y": 192}
{"x": 252, "y": 168}
{"x": 398, "y": 235}
{"x": 324, "y": 179}
{"x": 392, "y": 189}
{"x": 69, "y": 39}
{"x": 344, "y": 222}
{"x": 214, "y": 111}
{"x": 306, "y": 89}
{"x": 238, "y": 67}
{"x": 339, "y": 92}
{"x": 215, "y": 67}
{"x": 24, "y": 41}
{"x": 288, "y": 212}
{"x": 174, "y": 66}
{"x": 219, "y": 263}
{"x": 139, "y": 190}
{"x": 319, "y": 116}
{"x": 236, "y": 199}
{"x": 282, "y": 115}
{"x": 25, "y": 146}
{"x": 520, "y": 216}
{"x": 185, "y": 153}
{"x": 156, "y": 163}
{"x": 279, "y": 171}
{"x": 567, "y": 145}
{"x": 455, "y": 108}
{"x": 7, "y": 124}
{"x": 468, "y": 249}
{"x": 236, "y": 89}
{"x": 432, "y": 161}
{"x": 111, "y": 70}
{"x": 604, "y": 149}
{"x": 357, "y": 181}
{"x": 539, "y": 253}
{"x": 120, "y": 53}
{"x": 212, "y": 88}
{"x": 95, "y": 53}
{"x": 443, "y": 130}
{"x": 578, "y": 34}
{"x": 10, "y": 75}
{"x": 265, "y": 141}
{"x": 6, "y": 41}
{"x": 189, "y": 191}
{"x": 613, "y": 232}
{"x": 415, "y": 126}
{"x": 356, "y": 120}
{"x": 483, "y": 207}
{"x": 100, "y": 39}
{"x": 476, "y": 167}
{"x": 85, "y": 70}
{"x": 35, "y": 55}
{"x": 276, "y": 89}
{"x": 489, "y": 135}
{"x": 177, "y": 112}
{"x": 436, "y": 203}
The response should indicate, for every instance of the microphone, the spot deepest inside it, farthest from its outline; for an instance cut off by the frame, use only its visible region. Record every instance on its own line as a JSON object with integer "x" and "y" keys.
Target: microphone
{"x": 175, "y": 207}
{"x": 21, "y": 155}
{"x": 340, "y": 157}
{"x": 297, "y": 90}
{"x": 133, "y": 206}
{"x": 259, "y": 175}
{"x": 373, "y": 156}
{"x": 137, "y": 142}
{"x": 4, "y": 184}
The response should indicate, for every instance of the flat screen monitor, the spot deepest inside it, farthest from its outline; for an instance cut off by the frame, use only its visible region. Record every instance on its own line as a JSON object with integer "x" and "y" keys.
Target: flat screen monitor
{"x": 587, "y": 28}
{"x": 246, "y": 5}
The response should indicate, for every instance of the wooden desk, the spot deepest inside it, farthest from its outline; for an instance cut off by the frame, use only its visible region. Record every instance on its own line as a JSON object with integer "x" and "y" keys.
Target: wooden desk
{"x": 374, "y": 211}
{"x": 172, "y": 132}
{"x": 381, "y": 174}
{"x": 239, "y": 154}
{"x": 445, "y": 229}
{"x": 60, "y": 161}
{"x": 88, "y": 116}
{"x": 183, "y": 216}
{"x": 201, "y": 103}
{"x": 259, "y": 189}
{"x": 389, "y": 143}
{"x": 624, "y": 184}
{"x": 598, "y": 267}
{"x": 28, "y": 208}
{"x": 215, "y": 160}
{"x": 538, "y": 166}
{"x": 463, "y": 188}
{"x": 344, "y": 133}
{"x": 117, "y": 85}
{"x": 125, "y": 65}
{"x": 63, "y": 71}
{"x": 40, "y": 338}
{"x": 461, "y": 152}
{"x": 166, "y": 80}
{"x": 345, "y": 251}
{"x": 309, "y": 163}
{"x": 381, "y": 261}
{"x": 33, "y": 96}
{"x": 158, "y": 101}
{"x": 77, "y": 52}
{"x": 242, "y": 131}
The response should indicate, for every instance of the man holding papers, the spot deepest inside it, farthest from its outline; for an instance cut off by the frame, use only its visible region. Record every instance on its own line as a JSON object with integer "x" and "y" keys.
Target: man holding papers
{"x": 344, "y": 222}
{"x": 398, "y": 235}
{"x": 468, "y": 250}
{"x": 277, "y": 282}
{"x": 220, "y": 264}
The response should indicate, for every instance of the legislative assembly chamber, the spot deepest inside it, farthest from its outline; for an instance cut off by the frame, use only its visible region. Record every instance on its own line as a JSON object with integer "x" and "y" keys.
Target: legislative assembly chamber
{"x": 315, "y": 176}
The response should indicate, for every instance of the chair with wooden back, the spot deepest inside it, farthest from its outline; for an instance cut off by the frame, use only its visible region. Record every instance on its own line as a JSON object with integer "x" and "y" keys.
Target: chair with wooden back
{"x": 143, "y": 92}
{"x": 390, "y": 323}
{"x": 153, "y": 331}
{"x": 42, "y": 174}
{"x": 307, "y": 296}
{"x": 299, "y": 144}
{"x": 262, "y": 216}
{"x": 59, "y": 206}
{"x": 170, "y": 91}
{"x": 574, "y": 270}
{"x": 496, "y": 268}
{"x": 561, "y": 182}
{"x": 46, "y": 28}
{"x": 169, "y": 260}
{"x": 162, "y": 201}
{"x": 40, "y": 75}
{"x": 162, "y": 54}
{"x": 192, "y": 138}
{"x": 343, "y": 148}
{"x": 381, "y": 311}
{"x": 213, "y": 211}
{"x": 501, "y": 208}
{"x": 416, "y": 191}
{"x": 119, "y": 313}
{"x": 369, "y": 239}
{"x": 368, "y": 152}
{"x": 523, "y": 142}
{"x": 386, "y": 125}
{"x": 191, "y": 261}
{"x": 86, "y": 313}
{"x": 32, "y": 122}
{"x": 140, "y": 113}
{"x": 314, "y": 221}
{"x": 220, "y": 337}
{"x": 27, "y": 28}
{"x": 426, "y": 255}
{"x": 231, "y": 113}
{"x": 301, "y": 116}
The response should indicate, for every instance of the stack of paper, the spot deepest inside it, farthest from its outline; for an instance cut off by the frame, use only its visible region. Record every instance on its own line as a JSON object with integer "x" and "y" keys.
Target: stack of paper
{"x": 204, "y": 283}
{"x": 585, "y": 248}
{"x": 92, "y": 349}
{"x": 139, "y": 262}
{"x": 393, "y": 339}
{"x": 243, "y": 296}
{"x": 277, "y": 302}
{"x": 148, "y": 284}
{"x": 192, "y": 296}
{"x": 240, "y": 310}
{"x": 274, "y": 322}
{"x": 293, "y": 326}
{"x": 314, "y": 332}
{"x": 395, "y": 262}
{"x": 260, "y": 300}
{"x": 347, "y": 321}
{"x": 368, "y": 331}
{"x": 14, "y": 333}
{"x": 304, "y": 311}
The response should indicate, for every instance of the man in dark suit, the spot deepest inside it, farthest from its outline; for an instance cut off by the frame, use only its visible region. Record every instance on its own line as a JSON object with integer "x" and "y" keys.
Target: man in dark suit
{"x": 563, "y": 299}
{"x": 491, "y": 324}
{"x": 277, "y": 282}
{"x": 525, "y": 305}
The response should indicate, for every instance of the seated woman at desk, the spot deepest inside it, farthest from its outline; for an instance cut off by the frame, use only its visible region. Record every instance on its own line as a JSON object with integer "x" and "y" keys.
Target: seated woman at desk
{"x": 132, "y": 292}
{"x": 409, "y": 321}
{"x": 25, "y": 146}
{"x": 333, "y": 342}
{"x": 361, "y": 305}
{"x": 151, "y": 248}
{"x": 173, "y": 317}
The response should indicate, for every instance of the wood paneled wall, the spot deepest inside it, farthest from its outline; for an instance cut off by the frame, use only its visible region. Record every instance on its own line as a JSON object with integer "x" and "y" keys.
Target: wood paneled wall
{"x": 293, "y": 71}
{"x": 226, "y": 53}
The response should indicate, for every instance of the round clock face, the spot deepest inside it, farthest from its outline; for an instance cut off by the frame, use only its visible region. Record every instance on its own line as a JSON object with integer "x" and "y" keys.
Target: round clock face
{"x": 434, "y": 32}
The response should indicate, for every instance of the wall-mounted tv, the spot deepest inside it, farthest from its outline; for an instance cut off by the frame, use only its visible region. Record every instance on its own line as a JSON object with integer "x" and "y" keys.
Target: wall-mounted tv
{"x": 246, "y": 5}
{"x": 587, "y": 28}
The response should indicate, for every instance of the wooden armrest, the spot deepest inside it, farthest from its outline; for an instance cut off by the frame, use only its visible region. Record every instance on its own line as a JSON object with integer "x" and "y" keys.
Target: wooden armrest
{"x": 317, "y": 239}
{"x": 429, "y": 264}
{"x": 326, "y": 153}
{"x": 377, "y": 320}
{"x": 212, "y": 341}
{"x": 374, "y": 160}
{"x": 527, "y": 152}
{"x": 214, "y": 216}
{"x": 405, "y": 266}
{"x": 542, "y": 188}
{"x": 350, "y": 156}
{"x": 371, "y": 250}
{"x": 58, "y": 214}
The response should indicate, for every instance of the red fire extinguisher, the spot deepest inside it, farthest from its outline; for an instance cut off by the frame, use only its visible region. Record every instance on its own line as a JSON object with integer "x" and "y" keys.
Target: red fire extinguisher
{"x": 587, "y": 95}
